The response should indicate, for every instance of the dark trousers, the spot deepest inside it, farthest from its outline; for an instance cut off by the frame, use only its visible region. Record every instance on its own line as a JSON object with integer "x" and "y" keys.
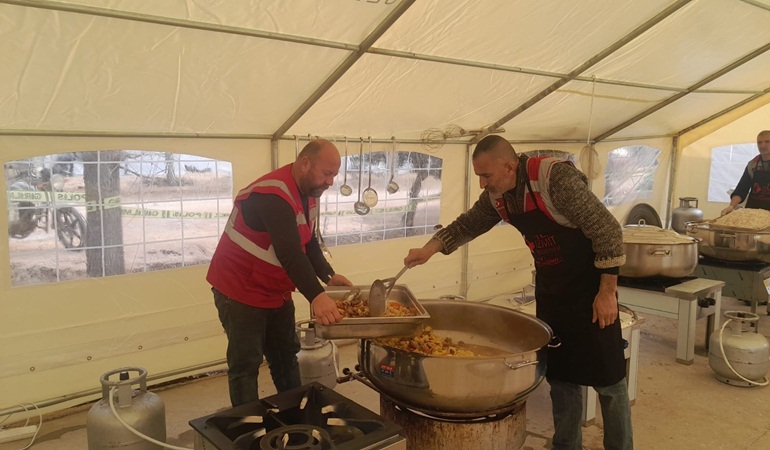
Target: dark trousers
{"x": 254, "y": 333}
{"x": 567, "y": 402}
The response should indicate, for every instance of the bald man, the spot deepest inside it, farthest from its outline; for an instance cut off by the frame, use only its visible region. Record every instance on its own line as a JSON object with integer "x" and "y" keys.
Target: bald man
{"x": 269, "y": 249}
{"x": 577, "y": 246}
{"x": 755, "y": 182}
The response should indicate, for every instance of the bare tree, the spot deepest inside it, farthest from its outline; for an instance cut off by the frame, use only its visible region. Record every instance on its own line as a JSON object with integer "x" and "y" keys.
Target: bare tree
{"x": 104, "y": 237}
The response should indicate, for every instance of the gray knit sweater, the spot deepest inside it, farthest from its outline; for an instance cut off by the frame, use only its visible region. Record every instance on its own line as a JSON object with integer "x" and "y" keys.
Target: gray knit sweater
{"x": 571, "y": 197}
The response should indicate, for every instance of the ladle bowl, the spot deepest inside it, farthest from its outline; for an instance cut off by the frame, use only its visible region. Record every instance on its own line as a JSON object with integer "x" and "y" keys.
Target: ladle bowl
{"x": 360, "y": 207}
{"x": 370, "y": 195}
{"x": 392, "y": 187}
{"x": 345, "y": 189}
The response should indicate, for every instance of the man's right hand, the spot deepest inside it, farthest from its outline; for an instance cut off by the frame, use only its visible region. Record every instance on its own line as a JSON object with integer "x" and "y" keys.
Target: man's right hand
{"x": 325, "y": 309}
{"x": 417, "y": 256}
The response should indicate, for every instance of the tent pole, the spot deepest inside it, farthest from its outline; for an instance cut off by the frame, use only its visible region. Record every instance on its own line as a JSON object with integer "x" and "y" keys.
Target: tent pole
{"x": 671, "y": 178}
{"x": 464, "y": 285}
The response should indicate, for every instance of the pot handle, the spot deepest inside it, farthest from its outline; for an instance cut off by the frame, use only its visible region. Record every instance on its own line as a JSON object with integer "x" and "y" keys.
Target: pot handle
{"x": 555, "y": 342}
{"x": 660, "y": 252}
{"x": 520, "y": 364}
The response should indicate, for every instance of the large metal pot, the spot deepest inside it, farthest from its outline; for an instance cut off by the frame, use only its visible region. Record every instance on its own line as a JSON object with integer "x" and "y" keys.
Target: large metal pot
{"x": 730, "y": 243}
{"x": 652, "y": 251}
{"x": 448, "y": 384}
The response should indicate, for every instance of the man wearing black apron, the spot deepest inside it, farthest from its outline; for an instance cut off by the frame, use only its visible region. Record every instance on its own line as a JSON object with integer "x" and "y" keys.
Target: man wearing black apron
{"x": 755, "y": 181}
{"x": 577, "y": 246}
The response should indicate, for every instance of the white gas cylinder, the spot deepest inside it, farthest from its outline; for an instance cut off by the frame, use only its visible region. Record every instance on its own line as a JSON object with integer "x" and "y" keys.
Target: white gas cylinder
{"x": 318, "y": 358}
{"x": 738, "y": 355}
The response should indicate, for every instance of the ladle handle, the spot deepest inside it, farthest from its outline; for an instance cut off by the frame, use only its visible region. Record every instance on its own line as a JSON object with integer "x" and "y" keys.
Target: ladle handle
{"x": 393, "y": 283}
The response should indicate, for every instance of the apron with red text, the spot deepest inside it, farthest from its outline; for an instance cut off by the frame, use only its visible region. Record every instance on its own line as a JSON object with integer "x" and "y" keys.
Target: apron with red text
{"x": 565, "y": 287}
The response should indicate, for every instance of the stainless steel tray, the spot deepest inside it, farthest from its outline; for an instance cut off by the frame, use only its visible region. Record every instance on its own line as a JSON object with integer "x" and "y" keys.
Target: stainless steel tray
{"x": 374, "y": 327}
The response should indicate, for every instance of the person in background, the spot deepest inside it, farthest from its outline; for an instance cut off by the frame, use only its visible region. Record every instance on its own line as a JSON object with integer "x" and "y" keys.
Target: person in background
{"x": 269, "y": 247}
{"x": 577, "y": 247}
{"x": 755, "y": 182}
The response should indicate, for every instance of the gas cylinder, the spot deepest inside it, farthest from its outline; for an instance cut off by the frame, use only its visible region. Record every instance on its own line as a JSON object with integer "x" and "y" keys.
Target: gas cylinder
{"x": 139, "y": 409}
{"x": 318, "y": 358}
{"x": 686, "y": 212}
{"x": 739, "y": 356}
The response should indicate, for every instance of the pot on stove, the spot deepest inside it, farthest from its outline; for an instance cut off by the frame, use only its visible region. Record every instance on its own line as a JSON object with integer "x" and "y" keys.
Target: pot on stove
{"x": 461, "y": 385}
{"x": 653, "y": 251}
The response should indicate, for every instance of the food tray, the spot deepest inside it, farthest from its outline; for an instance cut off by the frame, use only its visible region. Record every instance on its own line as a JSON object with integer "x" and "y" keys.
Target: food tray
{"x": 374, "y": 327}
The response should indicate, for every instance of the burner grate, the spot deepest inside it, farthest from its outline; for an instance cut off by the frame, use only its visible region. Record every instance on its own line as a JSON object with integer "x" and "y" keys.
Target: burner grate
{"x": 311, "y": 417}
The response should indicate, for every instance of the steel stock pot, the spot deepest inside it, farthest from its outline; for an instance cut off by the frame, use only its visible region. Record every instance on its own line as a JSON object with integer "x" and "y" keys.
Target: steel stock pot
{"x": 730, "y": 243}
{"x": 451, "y": 384}
{"x": 652, "y": 251}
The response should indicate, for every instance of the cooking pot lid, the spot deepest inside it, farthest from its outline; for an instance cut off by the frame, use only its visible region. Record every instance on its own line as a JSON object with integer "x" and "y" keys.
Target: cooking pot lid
{"x": 648, "y": 234}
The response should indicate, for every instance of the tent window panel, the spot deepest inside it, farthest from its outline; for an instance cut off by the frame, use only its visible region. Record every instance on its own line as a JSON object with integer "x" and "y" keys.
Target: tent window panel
{"x": 630, "y": 174}
{"x": 410, "y": 211}
{"x": 727, "y": 165}
{"x": 100, "y": 213}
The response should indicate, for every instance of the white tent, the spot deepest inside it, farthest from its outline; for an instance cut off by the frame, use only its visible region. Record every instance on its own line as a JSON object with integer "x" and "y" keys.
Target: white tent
{"x": 237, "y": 81}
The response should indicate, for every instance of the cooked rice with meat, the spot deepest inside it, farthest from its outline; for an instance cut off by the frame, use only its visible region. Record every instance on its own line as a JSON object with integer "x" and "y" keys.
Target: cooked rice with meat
{"x": 354, "y": 306}
{"x": 426, "y": 343}
{"x": 750, "y": 218}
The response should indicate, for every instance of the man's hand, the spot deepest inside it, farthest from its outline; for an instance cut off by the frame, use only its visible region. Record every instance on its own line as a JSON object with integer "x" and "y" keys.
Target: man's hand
{"x": 417, "y": 256}
{"x": 338, "y": 280}
{"x": 325, "y": 309}
{"x": 606, "y": 302}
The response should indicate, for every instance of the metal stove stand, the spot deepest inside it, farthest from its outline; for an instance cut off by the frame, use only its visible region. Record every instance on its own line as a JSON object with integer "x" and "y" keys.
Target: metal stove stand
{"x": 685, "y": 301}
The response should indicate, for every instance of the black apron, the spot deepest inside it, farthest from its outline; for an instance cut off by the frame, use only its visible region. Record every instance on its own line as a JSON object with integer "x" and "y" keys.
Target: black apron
{"x": 565, "y": 287}
{"x": 759, "y": 197}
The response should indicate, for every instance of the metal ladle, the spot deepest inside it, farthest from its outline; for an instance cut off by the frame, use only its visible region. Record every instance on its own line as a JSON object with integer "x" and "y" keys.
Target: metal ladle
{"x": 345, "y": 189}
{"x": 360, "y": 207}
{"x": 379, "y": 292}
{"x": 392, "y": 185}
{"x": 370, "y": 195}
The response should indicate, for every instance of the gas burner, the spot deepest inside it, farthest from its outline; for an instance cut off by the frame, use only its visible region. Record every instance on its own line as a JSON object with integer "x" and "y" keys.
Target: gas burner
{"x": 297, "y": 437}
{"x": 658, "y": 284}
{"x": 311, "y": 417}
{"x": 740, "y": 265}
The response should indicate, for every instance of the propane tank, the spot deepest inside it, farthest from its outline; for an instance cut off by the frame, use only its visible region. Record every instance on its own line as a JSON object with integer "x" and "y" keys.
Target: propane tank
{"x": 318, "y": 358}
{"x": 739, "y": 356}
{"x": 142, "y": 410}
{"x": 685, "y": 213}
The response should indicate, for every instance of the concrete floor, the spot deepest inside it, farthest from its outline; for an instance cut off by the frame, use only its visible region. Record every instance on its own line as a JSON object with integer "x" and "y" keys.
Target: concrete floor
{"x": 677, "y": 406}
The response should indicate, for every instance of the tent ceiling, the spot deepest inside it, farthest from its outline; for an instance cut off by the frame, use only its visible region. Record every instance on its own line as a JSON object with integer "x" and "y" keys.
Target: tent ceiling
{"x": 378, "y": 67}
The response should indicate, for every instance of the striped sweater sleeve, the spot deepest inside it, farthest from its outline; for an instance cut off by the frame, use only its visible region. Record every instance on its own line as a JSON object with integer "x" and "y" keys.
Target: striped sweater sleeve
{"x": 573, "y": 199}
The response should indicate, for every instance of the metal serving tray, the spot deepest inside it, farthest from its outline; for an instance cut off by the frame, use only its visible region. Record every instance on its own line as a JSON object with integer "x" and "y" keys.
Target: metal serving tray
{"x": 374, "y": 327}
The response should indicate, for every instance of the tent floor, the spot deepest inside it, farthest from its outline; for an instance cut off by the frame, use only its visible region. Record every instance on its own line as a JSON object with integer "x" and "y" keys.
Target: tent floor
{"x": 677, "y": 406}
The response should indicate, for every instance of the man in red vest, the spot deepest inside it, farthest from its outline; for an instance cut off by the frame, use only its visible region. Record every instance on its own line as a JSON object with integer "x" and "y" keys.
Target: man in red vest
{"x": 269, "y": 249}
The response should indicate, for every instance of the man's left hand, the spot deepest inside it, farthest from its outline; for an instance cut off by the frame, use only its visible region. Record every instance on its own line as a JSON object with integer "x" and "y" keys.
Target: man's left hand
{"x": 338, "y": 280}
{"x": 605, "y": 308}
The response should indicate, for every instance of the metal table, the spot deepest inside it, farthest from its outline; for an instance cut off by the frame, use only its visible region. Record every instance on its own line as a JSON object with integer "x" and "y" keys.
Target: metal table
{"x": 686, "y": 302}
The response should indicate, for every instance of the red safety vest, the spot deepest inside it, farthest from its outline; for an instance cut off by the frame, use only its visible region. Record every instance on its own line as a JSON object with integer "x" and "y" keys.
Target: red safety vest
{"x": 244, "y": 266}
{"x": 538, "y": 172}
